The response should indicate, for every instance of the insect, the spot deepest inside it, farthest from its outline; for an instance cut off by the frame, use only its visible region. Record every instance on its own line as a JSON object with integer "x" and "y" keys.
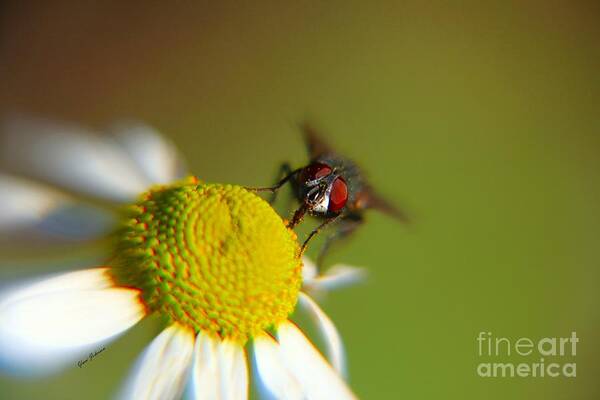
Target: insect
{"x": 331, "y": 188}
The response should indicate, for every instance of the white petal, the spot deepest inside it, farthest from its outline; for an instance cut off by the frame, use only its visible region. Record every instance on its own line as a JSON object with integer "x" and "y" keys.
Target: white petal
{"x": 23, "y": 203}
{"x": 275, "y": 380}
{"x": 49, "y": 323}
{"x": 338, "y": 276}
{"x": 72, "y": 222}
{"x": 333, "y": 341}
{"x": 206, "y": 372}
{"x": 318, "y": 379}
{"x": 34, "y": 211}
{"x": 220, "y": 370}
{"x": 72, "y": 157}
{"x": 89, "y": 279}
{"x": 156, "y": 157}
{"x": 309, "y": 270}
{"x": 161, "y": 371}
{"x": 234, "y": 371}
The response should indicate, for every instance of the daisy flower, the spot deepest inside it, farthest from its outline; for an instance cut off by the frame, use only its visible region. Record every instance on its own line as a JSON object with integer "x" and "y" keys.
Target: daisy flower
{"x": 214, "y": 262}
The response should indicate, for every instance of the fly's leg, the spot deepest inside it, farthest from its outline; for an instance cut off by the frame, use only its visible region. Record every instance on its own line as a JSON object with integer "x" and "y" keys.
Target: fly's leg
{"x": 285, "y": 171}
{"x": 318, "y": 229}
{"x": 345, "y": 228}
{"x": 298, "y": 216}
{"x": 284, "y": 174}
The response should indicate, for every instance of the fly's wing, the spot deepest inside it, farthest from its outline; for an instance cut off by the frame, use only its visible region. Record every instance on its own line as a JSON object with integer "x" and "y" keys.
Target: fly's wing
{"x": 315, "y": 145}
{"x": 369, "y": 198}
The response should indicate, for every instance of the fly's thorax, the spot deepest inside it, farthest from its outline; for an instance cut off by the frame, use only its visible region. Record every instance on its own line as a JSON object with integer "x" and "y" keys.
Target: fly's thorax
{"x": 215, "y": 258}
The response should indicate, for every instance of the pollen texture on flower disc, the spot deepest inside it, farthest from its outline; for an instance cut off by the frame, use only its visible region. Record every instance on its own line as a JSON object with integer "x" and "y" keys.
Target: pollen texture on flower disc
{"x": 216, "y": 258}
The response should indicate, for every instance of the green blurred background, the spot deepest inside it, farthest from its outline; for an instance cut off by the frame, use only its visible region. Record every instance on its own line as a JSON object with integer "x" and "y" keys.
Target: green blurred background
{"x": 480, "y": 118}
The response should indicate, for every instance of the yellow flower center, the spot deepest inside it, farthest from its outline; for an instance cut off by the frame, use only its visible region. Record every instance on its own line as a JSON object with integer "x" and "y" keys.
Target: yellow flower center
{"x": 216, "y": 258}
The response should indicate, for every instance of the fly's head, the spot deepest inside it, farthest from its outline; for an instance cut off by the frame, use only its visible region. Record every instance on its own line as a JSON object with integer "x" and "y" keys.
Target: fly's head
{"x": 324, "y": 190}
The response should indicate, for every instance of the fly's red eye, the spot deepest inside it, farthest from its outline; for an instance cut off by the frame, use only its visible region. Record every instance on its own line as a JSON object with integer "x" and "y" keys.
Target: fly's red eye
{"x": 315, "y": 171}
{"x": 338, "y": 195}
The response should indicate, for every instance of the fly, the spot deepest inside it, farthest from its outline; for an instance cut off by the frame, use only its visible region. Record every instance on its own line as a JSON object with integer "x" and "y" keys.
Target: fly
{"x": 332, "y": 188}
